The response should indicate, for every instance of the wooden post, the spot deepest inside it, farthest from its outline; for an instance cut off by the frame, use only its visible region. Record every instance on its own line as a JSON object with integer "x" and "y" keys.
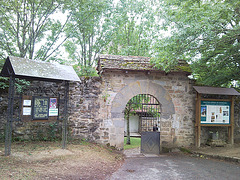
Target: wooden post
{"x": 231, "y": 128}
{"x": 198, "y": 121}
{"x": 65, "y": 119}
{"x": 8, "y": 134}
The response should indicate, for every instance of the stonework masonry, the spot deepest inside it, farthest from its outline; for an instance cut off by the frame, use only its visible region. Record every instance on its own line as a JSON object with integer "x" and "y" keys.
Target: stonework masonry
{"x": 84, "y": 109}
{"x": 96, "y": 106}
{"x": 93, "y": 109}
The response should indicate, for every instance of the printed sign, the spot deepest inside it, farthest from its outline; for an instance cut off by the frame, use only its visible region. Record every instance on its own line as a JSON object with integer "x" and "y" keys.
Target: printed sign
{"x": 40, "y": 107}
{"x": 53, "y": 103}
{"x": 27, "y": 102}
{"x": 53, "y": 110}
{"x": 215, "y": 112}
{"x": 27, "y": 111}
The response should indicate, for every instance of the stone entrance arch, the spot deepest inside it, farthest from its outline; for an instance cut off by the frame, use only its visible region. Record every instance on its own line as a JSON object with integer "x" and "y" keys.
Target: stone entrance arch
{"x": 97, "y": 111}
{"x": 131, "y": 90}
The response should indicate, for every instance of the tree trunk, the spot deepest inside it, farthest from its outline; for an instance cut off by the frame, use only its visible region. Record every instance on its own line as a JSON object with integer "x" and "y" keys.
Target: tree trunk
{"x": 128, "y": 129}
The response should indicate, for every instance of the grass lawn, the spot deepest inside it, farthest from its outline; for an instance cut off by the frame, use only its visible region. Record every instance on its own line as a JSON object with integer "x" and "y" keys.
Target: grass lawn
{"x": 135, "y": 142}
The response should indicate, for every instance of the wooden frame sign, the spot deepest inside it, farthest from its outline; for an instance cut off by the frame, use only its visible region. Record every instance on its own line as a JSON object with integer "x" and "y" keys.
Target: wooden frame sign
{"x": 214, "y": 112}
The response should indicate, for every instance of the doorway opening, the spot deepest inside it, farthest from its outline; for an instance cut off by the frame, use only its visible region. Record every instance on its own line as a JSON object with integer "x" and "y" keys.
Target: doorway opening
{"x": 141, "y": 115}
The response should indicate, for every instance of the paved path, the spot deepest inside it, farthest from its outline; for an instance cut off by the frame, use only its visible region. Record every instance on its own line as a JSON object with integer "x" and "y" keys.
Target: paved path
{"x": 175, "y": 166}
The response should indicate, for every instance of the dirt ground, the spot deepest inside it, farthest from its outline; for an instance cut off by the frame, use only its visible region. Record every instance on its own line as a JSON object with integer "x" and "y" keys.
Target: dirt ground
{"x": 46, "y": 160}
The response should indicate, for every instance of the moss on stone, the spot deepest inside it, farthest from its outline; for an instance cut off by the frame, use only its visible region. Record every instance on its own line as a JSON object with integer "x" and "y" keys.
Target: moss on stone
{"x": 185, "y": 68}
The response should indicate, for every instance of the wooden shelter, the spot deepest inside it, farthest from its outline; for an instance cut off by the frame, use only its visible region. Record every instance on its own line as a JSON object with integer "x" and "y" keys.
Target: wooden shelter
{"x": 22, "y": 68}
{"x": 214, "y": 112}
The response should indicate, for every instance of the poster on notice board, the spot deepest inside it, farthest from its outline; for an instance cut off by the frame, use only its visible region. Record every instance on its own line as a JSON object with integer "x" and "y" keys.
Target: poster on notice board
{"x": 53, "y": 108}
{"x": 215, "y": 112}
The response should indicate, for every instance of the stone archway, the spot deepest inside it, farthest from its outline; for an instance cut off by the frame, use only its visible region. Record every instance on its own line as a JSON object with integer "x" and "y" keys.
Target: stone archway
{"x": 129, "y": 91}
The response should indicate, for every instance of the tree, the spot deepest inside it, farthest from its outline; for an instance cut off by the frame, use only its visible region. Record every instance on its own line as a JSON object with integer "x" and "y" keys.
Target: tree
{"x": 141, "y": 103}
{"x": 206, "y": 34}
{"x": 91, "y": 32}
{"x": 132, "y": 106}
{"x": 26, "y": 24}
{"x": 134, "y": 28}
{"x": 28, "y": 30}
{"x": 127, "y": 113}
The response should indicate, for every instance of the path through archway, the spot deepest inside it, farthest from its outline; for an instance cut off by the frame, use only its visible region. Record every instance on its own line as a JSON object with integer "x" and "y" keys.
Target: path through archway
{"x": 142, "y": 120}
{"x": 127, "y": 93}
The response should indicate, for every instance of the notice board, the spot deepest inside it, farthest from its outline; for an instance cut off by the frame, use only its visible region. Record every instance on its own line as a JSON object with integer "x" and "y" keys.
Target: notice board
{"x": 39, "y": 108}
{"x": 215, "y": 112}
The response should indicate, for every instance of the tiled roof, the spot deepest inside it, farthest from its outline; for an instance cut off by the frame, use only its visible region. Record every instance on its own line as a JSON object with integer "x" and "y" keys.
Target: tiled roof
{"x": 118, "y": 62}
{"x": 124, "y": 62}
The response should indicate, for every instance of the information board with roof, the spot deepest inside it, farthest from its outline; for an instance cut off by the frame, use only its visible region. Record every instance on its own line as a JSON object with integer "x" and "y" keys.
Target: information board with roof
{"x": 36, "y": 108}
{"x": 215, "y": 112}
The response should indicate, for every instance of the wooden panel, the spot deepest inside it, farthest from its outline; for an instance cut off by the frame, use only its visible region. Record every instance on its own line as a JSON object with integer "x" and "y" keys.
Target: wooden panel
{"x": 198, "y": 121}
{"x": 226, "y": 125}
{"x": 204, "y": 99}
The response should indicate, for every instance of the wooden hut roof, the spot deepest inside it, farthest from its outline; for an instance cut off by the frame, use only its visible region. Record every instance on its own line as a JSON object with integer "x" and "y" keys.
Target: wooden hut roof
{"x": 37, "y": 70}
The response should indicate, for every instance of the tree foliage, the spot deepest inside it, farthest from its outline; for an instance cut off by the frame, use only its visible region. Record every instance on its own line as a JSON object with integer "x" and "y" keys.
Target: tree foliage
{"x": 91, "y": 32}
{"x": 134, "y": 28}
{"x": 29, "y": 29}
{"x": 206, "y": 34}
{"x": 26, "y": 24}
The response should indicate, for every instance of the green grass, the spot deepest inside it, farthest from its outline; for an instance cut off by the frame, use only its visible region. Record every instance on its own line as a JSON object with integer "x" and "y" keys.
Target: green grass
{"x": 135, "y": 142}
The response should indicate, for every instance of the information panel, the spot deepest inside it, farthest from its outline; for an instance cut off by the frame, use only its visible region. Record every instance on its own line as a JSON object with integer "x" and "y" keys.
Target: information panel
{"x": 53, "y": 109}
{"x": 40, "y": 108}
{"x": 215, "y": 112}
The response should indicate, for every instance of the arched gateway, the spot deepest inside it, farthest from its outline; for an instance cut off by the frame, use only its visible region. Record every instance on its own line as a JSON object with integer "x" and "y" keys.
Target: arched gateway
{"x": 123, "y": 77}
{"x": 131, "y": 90}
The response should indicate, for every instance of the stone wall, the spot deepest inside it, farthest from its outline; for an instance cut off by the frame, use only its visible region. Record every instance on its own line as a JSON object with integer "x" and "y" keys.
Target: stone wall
{"x": 96, "y": 115}
{"x": 84, "y": 108}
{"x": 96, "y": 107}
{"x": 99, "y": 120}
